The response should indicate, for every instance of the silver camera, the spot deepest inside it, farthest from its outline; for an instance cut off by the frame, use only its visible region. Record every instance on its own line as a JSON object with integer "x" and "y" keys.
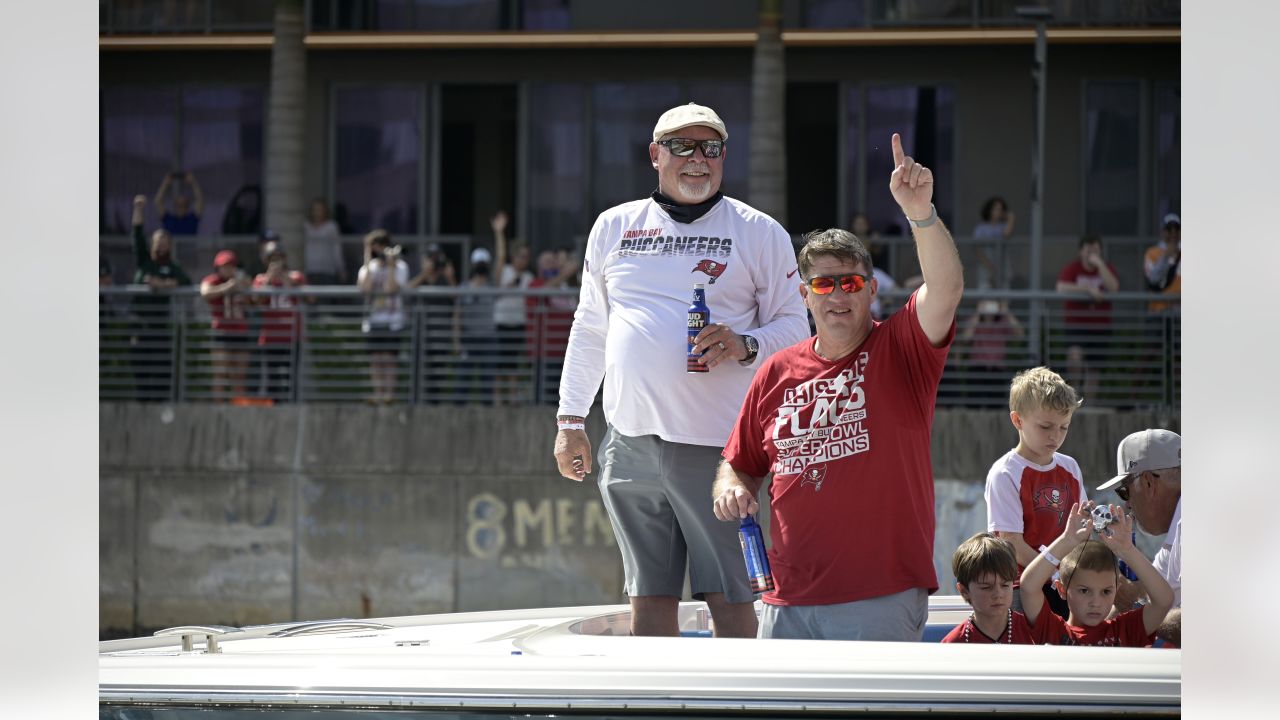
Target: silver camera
{"x": 1102, "y": 517}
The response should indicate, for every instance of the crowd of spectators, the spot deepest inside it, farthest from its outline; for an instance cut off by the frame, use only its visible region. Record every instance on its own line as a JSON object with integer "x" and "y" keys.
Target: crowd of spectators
{"x": 488, "y": 346}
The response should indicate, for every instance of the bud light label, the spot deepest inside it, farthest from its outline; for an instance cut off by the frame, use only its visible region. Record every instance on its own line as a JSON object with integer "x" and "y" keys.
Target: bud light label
{"x": 698, "y": 318}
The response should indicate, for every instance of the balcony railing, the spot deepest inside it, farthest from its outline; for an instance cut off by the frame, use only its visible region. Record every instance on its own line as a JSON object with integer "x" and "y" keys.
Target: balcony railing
{"x": 239, "y": 16}
{"x": 309, "y": 345}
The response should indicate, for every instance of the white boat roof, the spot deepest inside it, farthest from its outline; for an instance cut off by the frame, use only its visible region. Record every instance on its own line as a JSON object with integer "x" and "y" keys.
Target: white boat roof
{"x": 558, "y": 660}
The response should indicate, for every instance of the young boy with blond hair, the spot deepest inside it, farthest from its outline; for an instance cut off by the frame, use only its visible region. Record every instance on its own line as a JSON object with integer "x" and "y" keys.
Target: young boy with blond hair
{"x": 985, "y": 570}
{"x": 1088, "y": 576}
{"x": 1031, "y": 487}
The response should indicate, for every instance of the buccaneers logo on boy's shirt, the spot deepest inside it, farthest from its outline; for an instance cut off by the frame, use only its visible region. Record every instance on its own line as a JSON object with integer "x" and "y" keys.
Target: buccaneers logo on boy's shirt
{"x": 1050, "y": 498}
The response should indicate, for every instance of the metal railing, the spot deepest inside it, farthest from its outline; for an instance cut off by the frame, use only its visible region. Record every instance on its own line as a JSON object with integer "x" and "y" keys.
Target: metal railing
{"x": 312, "y": 345}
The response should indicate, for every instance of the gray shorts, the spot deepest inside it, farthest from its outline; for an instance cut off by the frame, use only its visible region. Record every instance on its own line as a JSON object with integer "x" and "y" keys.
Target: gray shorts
{"x": 658, "y": 495}
{"x": 897, "y": 617}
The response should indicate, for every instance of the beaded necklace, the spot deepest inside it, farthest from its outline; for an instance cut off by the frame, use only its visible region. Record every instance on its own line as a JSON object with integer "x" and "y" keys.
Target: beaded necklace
{"x": 1008, "y": 629}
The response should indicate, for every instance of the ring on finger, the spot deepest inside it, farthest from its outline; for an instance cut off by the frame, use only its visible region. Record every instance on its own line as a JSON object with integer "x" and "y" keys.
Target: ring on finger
{"x": 720, "y": 345}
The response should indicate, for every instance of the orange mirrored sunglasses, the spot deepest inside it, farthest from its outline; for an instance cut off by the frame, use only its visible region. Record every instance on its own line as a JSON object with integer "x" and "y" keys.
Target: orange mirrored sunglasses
{"x": 825, "y": 284}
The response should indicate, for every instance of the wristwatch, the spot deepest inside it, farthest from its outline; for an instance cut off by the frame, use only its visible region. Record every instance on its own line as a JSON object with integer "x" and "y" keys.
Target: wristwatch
{"x": 753, "y": 349}
{"x": 926, "y": 222}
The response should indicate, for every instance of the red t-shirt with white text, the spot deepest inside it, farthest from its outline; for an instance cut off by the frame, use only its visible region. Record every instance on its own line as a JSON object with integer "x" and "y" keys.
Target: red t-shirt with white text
{"x": 852, "y": 508}
{"x": 226, "y": 311}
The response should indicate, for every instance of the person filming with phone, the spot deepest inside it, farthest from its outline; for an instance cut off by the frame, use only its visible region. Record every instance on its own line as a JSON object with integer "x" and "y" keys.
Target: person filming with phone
{"x": 186, "y": 210}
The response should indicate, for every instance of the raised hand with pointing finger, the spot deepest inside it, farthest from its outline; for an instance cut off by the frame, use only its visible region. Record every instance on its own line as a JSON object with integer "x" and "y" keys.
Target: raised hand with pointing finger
{"x": 912, "y": 187}
{"x": 911, "y": 183}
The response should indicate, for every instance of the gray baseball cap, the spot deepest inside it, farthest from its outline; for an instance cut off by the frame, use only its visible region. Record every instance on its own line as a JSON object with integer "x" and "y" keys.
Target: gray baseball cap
{"x": 1143, "y": 451}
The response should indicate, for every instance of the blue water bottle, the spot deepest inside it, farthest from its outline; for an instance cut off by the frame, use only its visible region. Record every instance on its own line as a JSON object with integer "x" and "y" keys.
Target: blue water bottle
{"x": 758, "y": 572}
{"x": 699, "y": 317}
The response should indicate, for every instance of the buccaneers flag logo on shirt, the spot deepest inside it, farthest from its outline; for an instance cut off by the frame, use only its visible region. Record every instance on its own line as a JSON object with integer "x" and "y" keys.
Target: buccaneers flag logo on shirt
{"x": 815, "y": 476}
{"x": 1050, "y": 498}
{"x": 711, "y": 268}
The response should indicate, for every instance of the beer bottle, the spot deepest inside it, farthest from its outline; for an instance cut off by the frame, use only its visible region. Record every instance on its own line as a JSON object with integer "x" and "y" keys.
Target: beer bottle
{"x": 699, "y": 317}
{"x": 758, "y": 572}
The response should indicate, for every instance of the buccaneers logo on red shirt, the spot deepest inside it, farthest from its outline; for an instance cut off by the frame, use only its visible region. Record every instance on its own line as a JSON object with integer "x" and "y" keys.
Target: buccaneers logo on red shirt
{"x": 815, "y": 475}
{"x": 1050, "y": 498}
{"x": 710, "y": 267}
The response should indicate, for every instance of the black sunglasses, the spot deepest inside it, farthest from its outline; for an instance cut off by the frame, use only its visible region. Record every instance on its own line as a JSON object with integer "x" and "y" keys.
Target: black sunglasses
{"x": 1122, "y": 491}
{"x": 683, "y": 147}
{"x": 826, "y": 284}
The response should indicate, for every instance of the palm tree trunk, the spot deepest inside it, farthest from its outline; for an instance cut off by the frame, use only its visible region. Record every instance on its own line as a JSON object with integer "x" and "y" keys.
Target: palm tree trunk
{"x": 286, "y": 128}
{"x": 767, "y": 179}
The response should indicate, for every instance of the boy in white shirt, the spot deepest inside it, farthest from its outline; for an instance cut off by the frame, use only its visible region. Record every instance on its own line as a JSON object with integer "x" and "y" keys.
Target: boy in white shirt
{"x": 1031, "y": 488}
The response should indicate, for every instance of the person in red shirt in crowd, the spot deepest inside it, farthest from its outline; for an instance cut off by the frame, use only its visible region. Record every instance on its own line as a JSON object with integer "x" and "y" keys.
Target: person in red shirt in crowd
{"x": 224, "y": 290}
{"x": 551, "y": 318}
{"x": 1088, "y": 575}
{"x": 281, "y": 329}
{"x": 843, "y": 422}
{"x": 1088, "y": 322}
{"x": 985, "y": 568}
{"x": 986, "y": 337}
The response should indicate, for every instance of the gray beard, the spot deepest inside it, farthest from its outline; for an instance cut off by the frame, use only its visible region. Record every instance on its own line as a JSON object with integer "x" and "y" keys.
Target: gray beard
{"x": 694, "y": 192}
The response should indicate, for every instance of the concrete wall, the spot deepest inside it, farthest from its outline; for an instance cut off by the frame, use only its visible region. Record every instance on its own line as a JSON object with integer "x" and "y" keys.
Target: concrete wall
{"x": 254, "y": 515}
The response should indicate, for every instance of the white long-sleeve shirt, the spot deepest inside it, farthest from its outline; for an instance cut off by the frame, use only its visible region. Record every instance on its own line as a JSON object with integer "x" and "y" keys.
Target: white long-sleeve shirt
{"x": 630, "y": 328}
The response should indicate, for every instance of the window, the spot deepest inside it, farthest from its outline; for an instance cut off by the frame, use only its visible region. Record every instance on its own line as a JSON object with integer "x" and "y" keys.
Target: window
{"x": 621, "y": 131}
{"x": 546, "y": 14}
{"x": 139, "y": 141}
{"x": 474, "y": 15}
{"x": 378, "y": 158}
{"x": 1168, "y": 150}
{"x": 222, "y": 145}
{"x": 214, "y": 132}
{"x": 1111, "y": 148}
{"x": 925, "y": 118}
{"x": 557, "y": 179}
{"x": 835, "y": 13}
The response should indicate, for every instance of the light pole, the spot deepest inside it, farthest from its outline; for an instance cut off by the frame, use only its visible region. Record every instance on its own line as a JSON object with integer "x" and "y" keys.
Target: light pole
{"x": 1039, "y": 73}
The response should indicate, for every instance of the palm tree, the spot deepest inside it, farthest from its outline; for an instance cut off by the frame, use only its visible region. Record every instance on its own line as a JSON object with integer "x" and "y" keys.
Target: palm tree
{"x": 286, "y": 128}
{"x": 767, "y": 176}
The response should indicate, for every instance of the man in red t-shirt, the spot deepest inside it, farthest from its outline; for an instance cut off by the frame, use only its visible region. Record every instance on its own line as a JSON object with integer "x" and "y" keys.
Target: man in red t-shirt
{"x": 843, "y": 423}
{"x": 280, "y": 327}
{"x": 1088, "y": 322}
{"x": 223, "y": 289}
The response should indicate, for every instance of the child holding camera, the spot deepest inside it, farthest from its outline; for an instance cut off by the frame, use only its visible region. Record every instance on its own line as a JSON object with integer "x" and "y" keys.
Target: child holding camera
{"x": 1088, "y": 576}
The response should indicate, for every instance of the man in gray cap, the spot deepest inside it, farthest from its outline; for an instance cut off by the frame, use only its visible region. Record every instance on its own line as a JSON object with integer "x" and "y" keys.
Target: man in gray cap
{"x": 670, "y": 406}
{"x": 1149, "y": 482}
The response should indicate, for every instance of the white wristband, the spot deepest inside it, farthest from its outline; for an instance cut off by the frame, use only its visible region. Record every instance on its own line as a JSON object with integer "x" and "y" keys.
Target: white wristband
{"x": 571, "y": 426}
{"x": 1054, "y": 561}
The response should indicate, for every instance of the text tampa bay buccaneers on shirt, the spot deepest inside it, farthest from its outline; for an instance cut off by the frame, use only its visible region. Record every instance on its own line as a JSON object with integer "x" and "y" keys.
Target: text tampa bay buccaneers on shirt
{"x": 637, "y": 243}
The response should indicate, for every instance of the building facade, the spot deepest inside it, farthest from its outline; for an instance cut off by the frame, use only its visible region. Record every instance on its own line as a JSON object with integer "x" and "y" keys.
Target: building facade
{"x": 425, "y": 117}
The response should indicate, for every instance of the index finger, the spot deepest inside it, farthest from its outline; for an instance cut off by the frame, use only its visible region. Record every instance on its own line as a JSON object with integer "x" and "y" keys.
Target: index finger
{"x": 898, "y": 155}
